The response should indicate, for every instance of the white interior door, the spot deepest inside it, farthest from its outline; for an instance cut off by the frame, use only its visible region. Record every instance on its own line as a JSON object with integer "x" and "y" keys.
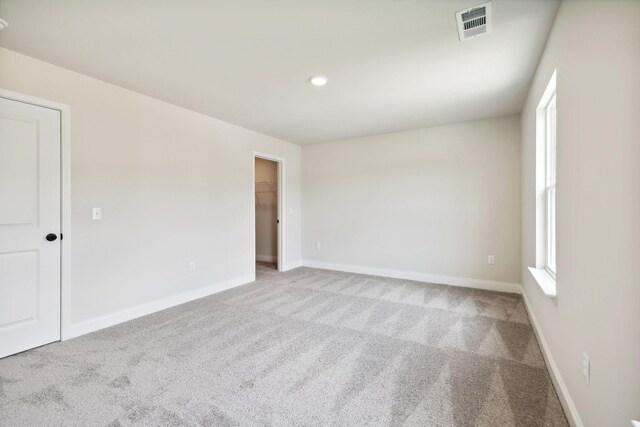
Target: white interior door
{"x": 29, "y": 221}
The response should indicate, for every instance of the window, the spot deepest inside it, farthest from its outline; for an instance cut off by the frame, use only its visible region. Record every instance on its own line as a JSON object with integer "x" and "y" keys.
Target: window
{"x": 550, "y": 184}
{"x": 545, "y": 269}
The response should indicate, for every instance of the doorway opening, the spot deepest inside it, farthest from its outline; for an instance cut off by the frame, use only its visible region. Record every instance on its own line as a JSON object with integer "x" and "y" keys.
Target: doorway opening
{"x": 268, "y": 202}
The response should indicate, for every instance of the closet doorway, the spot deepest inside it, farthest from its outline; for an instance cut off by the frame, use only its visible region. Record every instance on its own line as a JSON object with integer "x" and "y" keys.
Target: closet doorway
{"x": 268, "y": 202}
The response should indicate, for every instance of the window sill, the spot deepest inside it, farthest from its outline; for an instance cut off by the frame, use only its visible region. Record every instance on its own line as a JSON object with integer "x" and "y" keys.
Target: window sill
{"x": 545, "y": 281}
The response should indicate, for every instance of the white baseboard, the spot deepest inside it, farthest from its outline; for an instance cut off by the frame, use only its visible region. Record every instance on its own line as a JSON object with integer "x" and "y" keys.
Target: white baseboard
{"x": 104, "y": 321}
{"x": 563, "y": 393}
{"x": 291, "y": 265}
{"x": 466, "y": 282}
{"x": 266, "y": 258}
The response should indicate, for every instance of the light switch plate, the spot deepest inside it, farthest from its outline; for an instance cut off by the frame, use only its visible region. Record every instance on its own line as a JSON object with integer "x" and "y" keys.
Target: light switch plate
{"x": 586, "y": 368}
{"x": 96, "y": 214}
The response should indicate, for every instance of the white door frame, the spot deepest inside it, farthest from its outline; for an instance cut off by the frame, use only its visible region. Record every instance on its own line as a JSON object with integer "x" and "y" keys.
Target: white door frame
{"x": 65, "y": 200}
{"x": 281, "y": 205}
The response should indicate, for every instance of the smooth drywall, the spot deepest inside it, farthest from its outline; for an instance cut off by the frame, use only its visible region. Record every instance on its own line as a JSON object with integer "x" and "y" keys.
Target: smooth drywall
{"x": 174, "y": 187}
{"x": 266, "y": 210}
{"x": 595, "y": 46}
{"x": 435, "y": 201}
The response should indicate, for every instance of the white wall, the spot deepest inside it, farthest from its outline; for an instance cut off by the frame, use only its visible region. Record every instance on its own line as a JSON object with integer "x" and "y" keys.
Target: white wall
{"x": 174, "y": 186}
{"x": 434, "y": 201}
{"x": 266, "y": 210}
{"x": 595, "y": 46}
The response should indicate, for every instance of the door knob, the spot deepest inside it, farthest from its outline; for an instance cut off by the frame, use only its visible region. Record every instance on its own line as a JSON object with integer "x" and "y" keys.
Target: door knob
{"x": 51, "y": 237}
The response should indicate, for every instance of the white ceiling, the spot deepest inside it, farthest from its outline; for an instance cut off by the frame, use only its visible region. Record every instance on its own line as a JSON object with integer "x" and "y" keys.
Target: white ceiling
{"x": 392, "y": 64}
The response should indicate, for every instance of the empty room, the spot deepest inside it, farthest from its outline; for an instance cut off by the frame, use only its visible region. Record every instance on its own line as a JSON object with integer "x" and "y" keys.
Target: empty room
{"x": 320, "y": 213}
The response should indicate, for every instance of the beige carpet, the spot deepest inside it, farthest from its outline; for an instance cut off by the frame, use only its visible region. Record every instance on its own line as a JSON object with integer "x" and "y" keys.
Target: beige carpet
{"x": 306, "y": 347}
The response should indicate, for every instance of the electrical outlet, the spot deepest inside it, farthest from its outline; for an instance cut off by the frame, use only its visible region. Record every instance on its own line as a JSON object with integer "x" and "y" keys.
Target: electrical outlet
{"x": 318, "y": 245}
{"x": 491, "y": 260}
{"x": 192, "y": 266}
{"x": 586, "y": 368}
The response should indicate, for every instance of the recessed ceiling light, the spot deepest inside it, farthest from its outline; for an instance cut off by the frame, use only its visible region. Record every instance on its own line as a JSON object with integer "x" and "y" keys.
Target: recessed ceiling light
{"x": 3, "y": 24}
{"x": 318, "y": 80}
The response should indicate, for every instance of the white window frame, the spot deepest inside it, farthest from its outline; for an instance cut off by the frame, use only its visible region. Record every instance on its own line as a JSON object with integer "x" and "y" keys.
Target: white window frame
{"x": 544, "y": 271}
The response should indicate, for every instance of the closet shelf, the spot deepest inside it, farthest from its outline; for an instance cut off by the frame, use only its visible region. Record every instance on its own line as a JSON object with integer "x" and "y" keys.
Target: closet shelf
{"x": 267, "y": 188}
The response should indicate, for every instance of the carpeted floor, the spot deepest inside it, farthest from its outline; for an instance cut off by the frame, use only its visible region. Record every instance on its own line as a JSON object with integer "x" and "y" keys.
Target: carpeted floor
{"x": 305, "y": 347}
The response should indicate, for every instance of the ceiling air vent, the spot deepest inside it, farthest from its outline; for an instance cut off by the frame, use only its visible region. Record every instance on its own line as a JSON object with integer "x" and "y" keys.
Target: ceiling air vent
{"x": 474, "y": 22}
